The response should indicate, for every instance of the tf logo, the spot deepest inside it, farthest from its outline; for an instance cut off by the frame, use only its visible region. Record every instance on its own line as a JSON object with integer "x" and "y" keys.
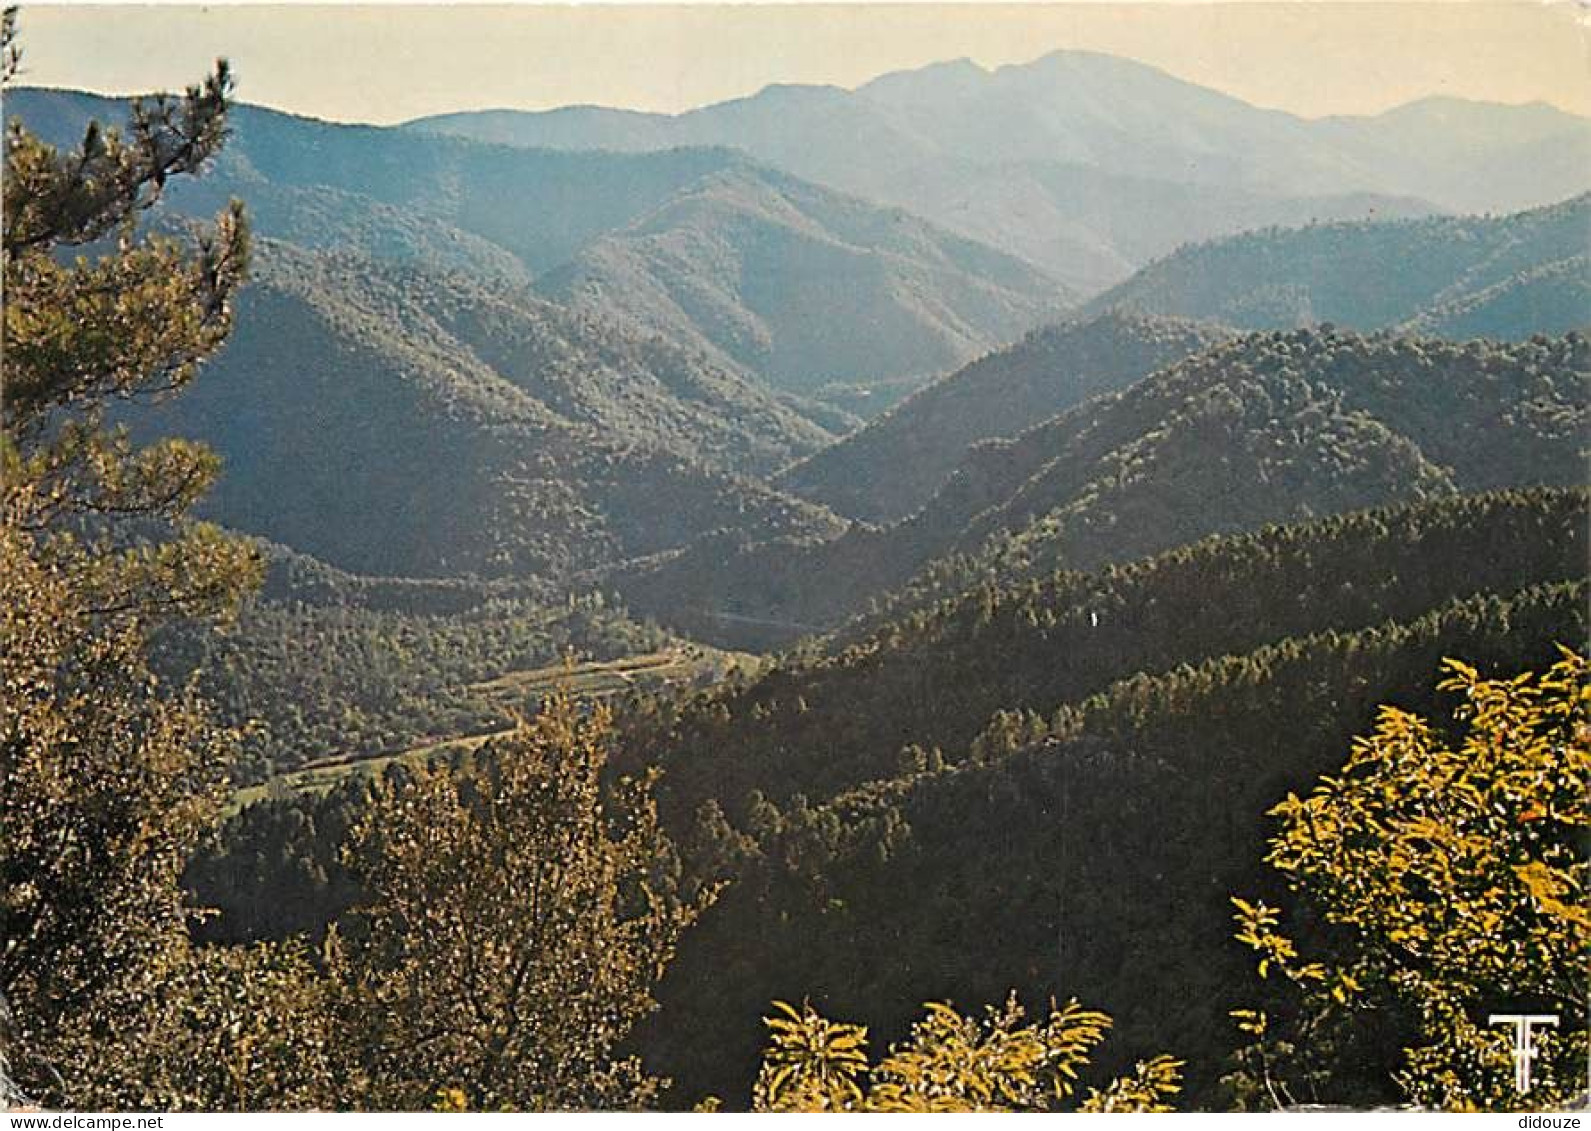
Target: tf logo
{"x": 1524, "y": 1047}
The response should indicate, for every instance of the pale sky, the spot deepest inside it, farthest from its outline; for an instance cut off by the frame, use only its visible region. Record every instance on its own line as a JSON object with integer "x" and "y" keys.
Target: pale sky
{"x": 388, "y": 63}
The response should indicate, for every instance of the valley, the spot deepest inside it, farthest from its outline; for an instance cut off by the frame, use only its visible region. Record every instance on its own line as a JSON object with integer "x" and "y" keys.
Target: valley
{"x": 674, "y": 669}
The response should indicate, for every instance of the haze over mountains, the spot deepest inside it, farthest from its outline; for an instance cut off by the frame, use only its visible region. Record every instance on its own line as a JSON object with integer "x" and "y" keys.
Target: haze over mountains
{"x": 1090, "y": 165}
{"x": 559, "y": 361}
{"x": 805, "y": 286}
{"x": 671, "y": 233}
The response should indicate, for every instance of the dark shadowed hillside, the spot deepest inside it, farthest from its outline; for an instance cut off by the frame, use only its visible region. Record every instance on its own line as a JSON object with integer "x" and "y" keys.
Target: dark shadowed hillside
{"x": 936, "y": 677}
{"x": 1084, "y": 836}
{"x": 1088, "y": 854}
{"x": 894, "y": 465}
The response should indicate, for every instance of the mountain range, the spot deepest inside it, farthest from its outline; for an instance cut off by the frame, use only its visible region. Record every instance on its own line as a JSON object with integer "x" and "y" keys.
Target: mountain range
{"x": 486, "y": 430}
{"x": 610, "y": 364}
{"x": 722, "y": 253}
{"x": 1090, "y": 165}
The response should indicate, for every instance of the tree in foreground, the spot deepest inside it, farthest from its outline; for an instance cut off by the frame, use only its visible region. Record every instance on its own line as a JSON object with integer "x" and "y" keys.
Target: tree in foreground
{"x": 951, "y": 1063}
{"x": 134, "y": 319}
{"x": 518, "y": 919}
{"x": 1448, "y": 878}
{"x": 107, "y": 777}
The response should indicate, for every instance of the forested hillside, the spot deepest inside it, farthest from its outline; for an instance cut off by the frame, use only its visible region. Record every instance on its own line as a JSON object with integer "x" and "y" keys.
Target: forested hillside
{"x": 1495, "y": 276}
{"x": 324, "y": 665}
{"x": 393, "y": 421}
{"x": 1096, "y": 858}
{"x": 1053, "y": 786}
{"x": 806, "y": 286}
{"x": 937, "y": 677}
{"x": 1275, "y": 427}
{"x": 1084, "y": 837}
{"x": 1265, "y": 428}
{"x": 890, "y": 468}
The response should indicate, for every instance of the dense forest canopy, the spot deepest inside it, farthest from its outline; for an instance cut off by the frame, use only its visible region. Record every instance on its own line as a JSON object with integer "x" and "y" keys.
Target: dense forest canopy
{"x": 1261, "y": 428}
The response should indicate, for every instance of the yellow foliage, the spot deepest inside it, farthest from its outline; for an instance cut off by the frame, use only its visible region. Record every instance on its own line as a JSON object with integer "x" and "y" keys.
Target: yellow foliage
{"x": 1458, "y": 870}
{"x": 950, "y": 1063}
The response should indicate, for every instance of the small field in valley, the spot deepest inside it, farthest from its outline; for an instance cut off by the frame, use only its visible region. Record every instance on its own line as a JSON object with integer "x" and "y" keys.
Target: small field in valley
{"x": 518, "y": 692}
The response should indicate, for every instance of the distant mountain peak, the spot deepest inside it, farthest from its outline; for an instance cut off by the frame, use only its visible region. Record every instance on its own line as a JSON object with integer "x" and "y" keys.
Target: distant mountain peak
{"x": 781, "y": 92}
{"x": 953, "y": 69}
{"x": 1453, "y": 103}
{"x": 1082, "y": 57}
{"x": 1095, "y": 65}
